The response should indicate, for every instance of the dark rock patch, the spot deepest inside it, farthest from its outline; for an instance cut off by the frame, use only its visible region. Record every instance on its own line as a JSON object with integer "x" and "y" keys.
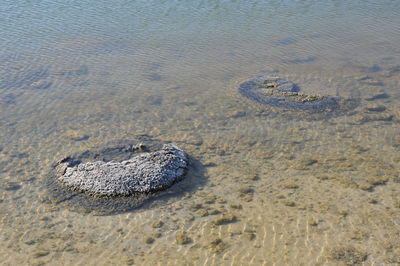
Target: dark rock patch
{"x": 375, "y": 108}
{"x": 373, "y": 117}
{"x": 85, "y": 137}
{"x": 21, "y": 155}
{"x": 393, "y": 71}
{"x": 154, "y": 100}
{"x": 306, "y": 60}
{"x": 285, "y": 41}
{"x": 11, "y": 186}
{"x": 8, "y": 99}
{"x": 83, "y": 70}
{"x": 154, "y": 77}
{"x": 348, "y": 255}
{"x": 27, "y": 80}
{"x": 371, "y": 82}
{"x": 282, "y": 93}
{"x": 372, "y": 69}
{"x": 76, "y": 135}
{"x": 379, "y": 96}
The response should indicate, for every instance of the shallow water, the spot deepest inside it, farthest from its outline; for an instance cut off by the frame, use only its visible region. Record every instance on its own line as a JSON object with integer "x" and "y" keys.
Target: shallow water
{"x": 304, "y": 190}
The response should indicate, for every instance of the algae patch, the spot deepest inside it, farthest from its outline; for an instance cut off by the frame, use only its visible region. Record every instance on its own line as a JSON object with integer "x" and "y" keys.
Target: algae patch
{"x": 348, "y": 255}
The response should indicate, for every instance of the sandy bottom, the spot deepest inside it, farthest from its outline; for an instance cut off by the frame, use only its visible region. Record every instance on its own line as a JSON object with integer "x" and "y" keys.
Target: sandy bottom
{"x": 269, "y": 188}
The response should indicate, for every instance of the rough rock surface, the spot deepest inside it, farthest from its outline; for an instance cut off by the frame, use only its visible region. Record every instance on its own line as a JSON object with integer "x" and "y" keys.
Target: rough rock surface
{"x": 143, "y": 173}
{"x": 280, "y": 92}
{"x": 162, "y": 165}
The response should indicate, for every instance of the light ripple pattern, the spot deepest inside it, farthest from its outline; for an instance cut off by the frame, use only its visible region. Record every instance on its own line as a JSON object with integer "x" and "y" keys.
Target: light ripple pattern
{"x": 78, "y": 74}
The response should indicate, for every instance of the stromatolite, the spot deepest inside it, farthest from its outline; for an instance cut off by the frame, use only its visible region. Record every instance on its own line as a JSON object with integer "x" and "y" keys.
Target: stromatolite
{"x": 282, "y": 93}
{"x": 116, "y": 178}
{"x": 145, "y": 172}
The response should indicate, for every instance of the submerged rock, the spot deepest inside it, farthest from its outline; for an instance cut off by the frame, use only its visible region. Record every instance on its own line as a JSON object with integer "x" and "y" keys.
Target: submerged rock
{"x": 348, "y": 255}
{"x": 282, "y": 93}
{"x": 116, "y": 179}
{"x": 182, "y": 238}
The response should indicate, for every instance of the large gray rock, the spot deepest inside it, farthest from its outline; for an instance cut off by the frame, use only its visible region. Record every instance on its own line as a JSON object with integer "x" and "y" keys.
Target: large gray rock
{"x": 119, "y": 176}
{"x": 143, "y": 173}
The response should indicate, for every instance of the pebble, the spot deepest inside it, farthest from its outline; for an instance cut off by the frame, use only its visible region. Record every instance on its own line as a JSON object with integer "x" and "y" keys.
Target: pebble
{"x": 225, "y": 219}
{"x": 182, "y": 238}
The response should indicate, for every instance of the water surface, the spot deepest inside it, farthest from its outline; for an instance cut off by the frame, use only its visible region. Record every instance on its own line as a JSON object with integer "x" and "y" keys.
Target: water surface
{"x": 79, "y": 74}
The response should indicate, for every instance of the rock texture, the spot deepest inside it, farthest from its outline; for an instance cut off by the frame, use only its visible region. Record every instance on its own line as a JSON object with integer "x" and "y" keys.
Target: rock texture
{"x": 145, "y": 172}
{"x": 282, "y": 93}
{"x": 119, "y": 176}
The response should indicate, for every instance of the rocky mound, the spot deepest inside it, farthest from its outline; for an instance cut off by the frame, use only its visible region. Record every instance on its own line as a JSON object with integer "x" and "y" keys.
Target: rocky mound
{"x": 145, "y": 172}
{"x": 116, "y": 178}
{"x": 282, "y": 93}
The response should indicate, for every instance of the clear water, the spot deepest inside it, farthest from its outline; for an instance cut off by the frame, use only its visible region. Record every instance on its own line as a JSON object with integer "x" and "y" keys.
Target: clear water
{"x": 79, "y": 74}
